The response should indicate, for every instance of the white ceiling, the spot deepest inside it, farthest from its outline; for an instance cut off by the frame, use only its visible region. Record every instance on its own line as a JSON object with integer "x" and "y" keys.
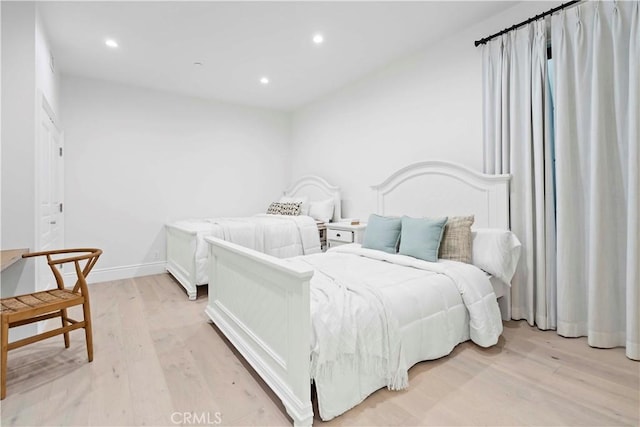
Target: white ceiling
{"x": 239, "y": 42}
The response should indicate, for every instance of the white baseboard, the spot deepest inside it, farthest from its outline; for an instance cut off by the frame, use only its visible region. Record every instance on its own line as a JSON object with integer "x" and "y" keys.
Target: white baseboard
{"x": 118, "y": 273}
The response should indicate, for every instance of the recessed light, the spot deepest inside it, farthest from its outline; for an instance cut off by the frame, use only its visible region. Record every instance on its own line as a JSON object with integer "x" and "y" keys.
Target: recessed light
{"x": 111, "y": 43}
{"x": 318, "y": 38}
{"x": 264, "y": 80}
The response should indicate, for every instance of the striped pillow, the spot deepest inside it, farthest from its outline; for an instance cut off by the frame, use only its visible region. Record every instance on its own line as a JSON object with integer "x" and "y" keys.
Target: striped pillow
{"x": 456, "y": 241}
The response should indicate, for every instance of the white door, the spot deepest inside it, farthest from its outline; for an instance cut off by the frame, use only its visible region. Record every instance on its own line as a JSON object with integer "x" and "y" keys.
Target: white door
{"x": 50, "y": 179}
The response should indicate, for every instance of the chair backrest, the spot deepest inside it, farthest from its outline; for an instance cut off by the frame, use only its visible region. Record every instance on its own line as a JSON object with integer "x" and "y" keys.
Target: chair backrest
{"x": 90, "y": 255}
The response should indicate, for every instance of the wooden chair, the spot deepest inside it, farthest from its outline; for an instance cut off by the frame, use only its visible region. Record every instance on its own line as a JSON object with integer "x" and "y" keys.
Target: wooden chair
{"x": 38, "y": 306}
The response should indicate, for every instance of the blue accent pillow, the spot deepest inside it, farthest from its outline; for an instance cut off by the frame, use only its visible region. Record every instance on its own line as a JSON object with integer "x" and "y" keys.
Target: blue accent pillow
{"x": 382, "y": 233}
{"x": 421, "y": 237}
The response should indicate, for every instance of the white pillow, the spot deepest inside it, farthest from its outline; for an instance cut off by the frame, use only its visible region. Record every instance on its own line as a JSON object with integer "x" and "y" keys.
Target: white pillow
{"x": 304, "y": 209}
{"x": 496, "y": 251}
{"x": 321, "y": 210}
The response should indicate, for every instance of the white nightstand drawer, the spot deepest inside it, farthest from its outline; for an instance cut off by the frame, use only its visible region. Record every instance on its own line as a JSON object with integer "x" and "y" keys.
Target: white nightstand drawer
{"x": 340, "y": 235}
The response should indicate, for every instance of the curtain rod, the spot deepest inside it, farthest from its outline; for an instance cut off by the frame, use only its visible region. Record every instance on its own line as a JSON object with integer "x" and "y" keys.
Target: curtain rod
{"x": 535, "y": 18}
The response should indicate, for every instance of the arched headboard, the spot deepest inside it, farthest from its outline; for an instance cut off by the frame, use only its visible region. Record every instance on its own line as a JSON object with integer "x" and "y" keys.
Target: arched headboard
{"x": 316, "y": 189}
{"x": 438, "y": 188}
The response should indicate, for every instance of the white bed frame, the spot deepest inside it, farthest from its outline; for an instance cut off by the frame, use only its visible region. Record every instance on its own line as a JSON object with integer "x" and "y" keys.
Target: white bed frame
{"x": 316, "y": 188}
{"x": 262, "y": 305}
{"x": 450, "y": 189}
{"x": 181, "y": 243}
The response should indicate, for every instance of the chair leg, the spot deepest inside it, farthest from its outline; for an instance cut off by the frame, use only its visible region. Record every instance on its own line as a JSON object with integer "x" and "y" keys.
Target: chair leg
{"x": 63, "y": 315}
{"x": 3, "y": 357}
{"x": 88, "y": 332}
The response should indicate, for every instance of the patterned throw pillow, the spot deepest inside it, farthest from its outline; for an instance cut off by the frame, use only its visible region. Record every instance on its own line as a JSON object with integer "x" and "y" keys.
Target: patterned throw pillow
{"x": 456, "y": 241}
{"x": 274, "y": 208}
{"x": 292, "y": 208}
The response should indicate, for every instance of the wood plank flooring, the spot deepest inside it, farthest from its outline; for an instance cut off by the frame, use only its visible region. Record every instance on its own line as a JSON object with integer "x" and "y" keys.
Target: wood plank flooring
{"x": 160, "y": 362}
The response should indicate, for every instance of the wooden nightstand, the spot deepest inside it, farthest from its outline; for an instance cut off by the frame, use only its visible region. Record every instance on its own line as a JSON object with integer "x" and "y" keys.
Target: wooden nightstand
{"x": 341, "y": 233}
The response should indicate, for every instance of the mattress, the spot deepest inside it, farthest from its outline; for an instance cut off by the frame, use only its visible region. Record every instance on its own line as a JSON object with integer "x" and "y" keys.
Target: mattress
{"x": 426, "y": 306}
{"x": 282, "y": 236}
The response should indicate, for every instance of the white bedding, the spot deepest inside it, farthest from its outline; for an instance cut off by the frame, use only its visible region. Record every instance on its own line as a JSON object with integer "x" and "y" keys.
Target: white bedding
{"x": 399, "y": 309}
{"x": 279, "y": 235}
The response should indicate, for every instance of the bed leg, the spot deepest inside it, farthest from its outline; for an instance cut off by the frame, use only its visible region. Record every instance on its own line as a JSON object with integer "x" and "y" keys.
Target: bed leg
{"x": 504, "y": 302}
{"x": 192, "y": 295}
{"x": 301, "y": 422}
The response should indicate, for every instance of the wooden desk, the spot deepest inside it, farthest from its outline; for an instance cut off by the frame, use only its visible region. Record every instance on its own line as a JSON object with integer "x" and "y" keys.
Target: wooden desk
{"x": 10, "y": 256}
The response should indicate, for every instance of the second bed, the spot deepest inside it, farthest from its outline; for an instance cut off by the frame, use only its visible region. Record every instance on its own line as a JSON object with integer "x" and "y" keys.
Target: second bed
{"x": 277, "y": 235}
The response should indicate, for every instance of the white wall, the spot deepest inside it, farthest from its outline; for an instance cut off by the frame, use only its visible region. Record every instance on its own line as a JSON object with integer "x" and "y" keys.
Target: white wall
{"x": 18, "y": 141}
{"x": 47, "y": 80}
{"x": 137, "y": 158}
{"x": 25, "y": 74}
{"x": 426, "y": 106}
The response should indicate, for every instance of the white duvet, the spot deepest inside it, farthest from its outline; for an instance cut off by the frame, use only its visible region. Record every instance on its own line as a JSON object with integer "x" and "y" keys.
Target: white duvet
{"x": 282, "y": 236}
{"x": 374, "y": 315}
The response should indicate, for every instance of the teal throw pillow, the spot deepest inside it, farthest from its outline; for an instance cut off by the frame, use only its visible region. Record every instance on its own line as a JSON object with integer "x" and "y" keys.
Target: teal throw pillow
{"x": 420, "y": 237}
{"x": 382, "y": 233}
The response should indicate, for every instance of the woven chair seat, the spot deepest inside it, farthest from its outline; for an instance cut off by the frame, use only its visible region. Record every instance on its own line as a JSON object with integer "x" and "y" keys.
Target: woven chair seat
{"x": 25, "y": 306}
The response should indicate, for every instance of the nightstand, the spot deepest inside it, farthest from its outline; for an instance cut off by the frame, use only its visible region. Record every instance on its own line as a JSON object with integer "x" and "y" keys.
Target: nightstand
{"x": 341, "y": 233}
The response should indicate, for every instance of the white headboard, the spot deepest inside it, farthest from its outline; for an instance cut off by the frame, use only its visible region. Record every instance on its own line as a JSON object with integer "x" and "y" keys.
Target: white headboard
{"x": 316, "y": 188}
{"x": 437, "y": 188}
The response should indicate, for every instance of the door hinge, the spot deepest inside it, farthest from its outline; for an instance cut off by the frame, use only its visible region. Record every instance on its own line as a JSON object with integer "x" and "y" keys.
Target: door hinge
{"x": 60, "y": 151}
{"x": 60, "y": 206}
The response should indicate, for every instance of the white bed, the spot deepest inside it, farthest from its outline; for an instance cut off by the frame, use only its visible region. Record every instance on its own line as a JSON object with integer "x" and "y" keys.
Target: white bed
{"x": 278, "y": 235}
{"x": 264, "y": 305}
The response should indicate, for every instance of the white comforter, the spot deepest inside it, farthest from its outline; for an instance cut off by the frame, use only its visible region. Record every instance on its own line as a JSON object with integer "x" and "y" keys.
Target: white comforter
{"x": 282, "y": 236}
{"x": 372, "y": 320}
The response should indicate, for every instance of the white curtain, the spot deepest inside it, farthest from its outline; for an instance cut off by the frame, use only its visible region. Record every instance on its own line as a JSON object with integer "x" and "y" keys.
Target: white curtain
{"x": 597, "y": 118}
{"x": 517, "y": 140}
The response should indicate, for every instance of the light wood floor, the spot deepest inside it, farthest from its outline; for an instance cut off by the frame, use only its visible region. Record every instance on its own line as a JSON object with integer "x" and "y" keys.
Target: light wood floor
{"x": 157, "y": 356}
